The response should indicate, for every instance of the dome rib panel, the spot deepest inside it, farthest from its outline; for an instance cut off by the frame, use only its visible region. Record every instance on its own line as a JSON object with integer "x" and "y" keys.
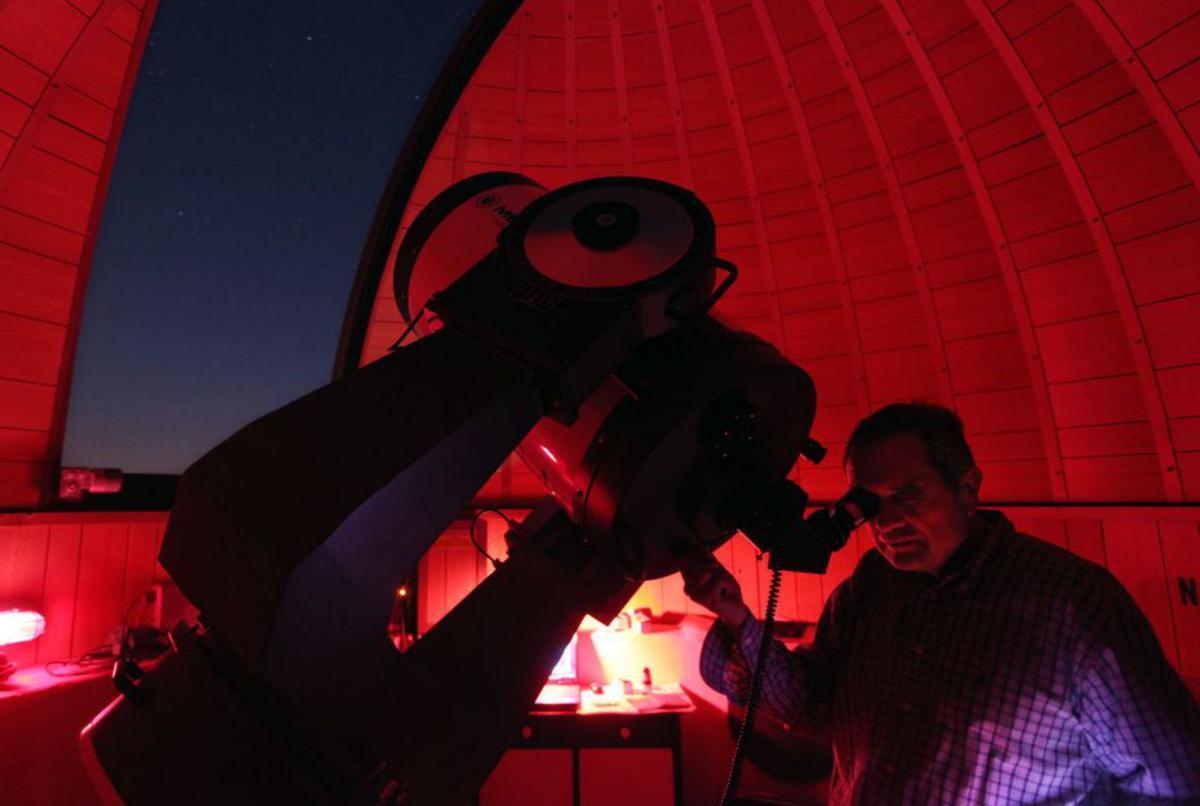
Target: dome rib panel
{"x": 1152, "y": 95}
{"x": 616, "y": 38}
{"x": 983, "y": 200}
{"x": 858, "y": 367}
{"x": 66, "y": 75}
{"x": 749, "y": 179}
{"x": 1088, "y": 204}
{"x": 570, "y": 57}
{"x": 85, "y": 39}
{"x": 667, "y": 54}
{"x": 900, "y": 209}
{"x": 462, "y": 135}
{"x": 1039, "y": 273}
{"x": 519, "y": 96}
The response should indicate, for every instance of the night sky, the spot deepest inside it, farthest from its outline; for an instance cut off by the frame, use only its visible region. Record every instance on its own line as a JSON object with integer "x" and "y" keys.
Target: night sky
{"x": 259, "y": 140}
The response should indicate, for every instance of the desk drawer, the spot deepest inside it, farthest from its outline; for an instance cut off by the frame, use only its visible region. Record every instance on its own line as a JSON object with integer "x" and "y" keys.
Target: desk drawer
{"x": 599, "y": 730}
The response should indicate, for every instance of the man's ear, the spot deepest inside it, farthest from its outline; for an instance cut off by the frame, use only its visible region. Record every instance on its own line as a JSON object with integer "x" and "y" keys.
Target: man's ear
{"x": 968, "y": 488}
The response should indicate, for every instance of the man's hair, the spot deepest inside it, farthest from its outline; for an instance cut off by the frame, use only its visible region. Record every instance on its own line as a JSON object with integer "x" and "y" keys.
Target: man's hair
{"x": 937, "y": 427}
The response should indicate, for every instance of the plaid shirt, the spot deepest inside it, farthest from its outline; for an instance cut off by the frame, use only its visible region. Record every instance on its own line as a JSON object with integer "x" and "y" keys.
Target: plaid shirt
{"x": 1021, "y": 673}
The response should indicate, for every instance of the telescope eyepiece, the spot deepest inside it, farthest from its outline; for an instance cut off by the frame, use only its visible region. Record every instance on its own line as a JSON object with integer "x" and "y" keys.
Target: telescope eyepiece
{"x": 833, "y": 525}
{"x": 772, "y": 516}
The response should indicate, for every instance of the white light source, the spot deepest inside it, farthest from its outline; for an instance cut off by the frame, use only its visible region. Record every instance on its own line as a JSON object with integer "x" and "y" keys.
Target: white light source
{"x": 20, "y": 625}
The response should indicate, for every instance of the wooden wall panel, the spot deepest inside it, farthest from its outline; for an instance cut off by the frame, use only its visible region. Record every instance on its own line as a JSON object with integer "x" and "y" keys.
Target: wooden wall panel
{"x": 1052, "y": 530}
{"x": 1085, "y": 537}
{"x": 1129, "y": 546}
{"x": 449, "y": 571}
{"x": 22, "y": 570}
{"x": 100, "y": 584}
{"x": 1153, "y": 552}
{"x": 141, "y": 560}
{"x": 80, "y": 571}
{"x": 59, "y": 591}
{"x": 1181, "y": 557}
{"x": 431, "y": 586}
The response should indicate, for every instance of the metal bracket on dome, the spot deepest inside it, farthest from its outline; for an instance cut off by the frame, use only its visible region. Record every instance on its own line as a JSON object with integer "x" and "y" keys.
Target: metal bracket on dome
{"x": 731, "y": 275}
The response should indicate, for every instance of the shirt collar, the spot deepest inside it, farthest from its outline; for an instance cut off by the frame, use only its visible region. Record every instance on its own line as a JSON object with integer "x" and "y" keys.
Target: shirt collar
{"x": 985, "y": 531}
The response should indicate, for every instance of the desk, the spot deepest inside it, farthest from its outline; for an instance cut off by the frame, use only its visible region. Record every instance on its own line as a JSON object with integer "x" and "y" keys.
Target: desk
{"x": 592, "y": 759}
{"x": 40, "y": 718}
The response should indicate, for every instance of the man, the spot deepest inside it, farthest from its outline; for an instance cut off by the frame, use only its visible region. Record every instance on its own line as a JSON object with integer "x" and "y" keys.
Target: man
{"x": 963, "y": 661}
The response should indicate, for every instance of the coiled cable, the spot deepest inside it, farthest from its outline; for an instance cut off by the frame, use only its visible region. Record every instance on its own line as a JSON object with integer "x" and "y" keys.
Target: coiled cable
{"x": 739, "y": 753}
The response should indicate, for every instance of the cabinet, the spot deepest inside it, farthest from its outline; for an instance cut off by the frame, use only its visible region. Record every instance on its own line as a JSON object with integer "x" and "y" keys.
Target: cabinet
{"x": 590, "y": 760}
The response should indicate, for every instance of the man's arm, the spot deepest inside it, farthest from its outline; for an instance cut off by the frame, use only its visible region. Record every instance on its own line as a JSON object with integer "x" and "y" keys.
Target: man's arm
{"x": 797, "y": 687}
{"x": 1140, "y": 719}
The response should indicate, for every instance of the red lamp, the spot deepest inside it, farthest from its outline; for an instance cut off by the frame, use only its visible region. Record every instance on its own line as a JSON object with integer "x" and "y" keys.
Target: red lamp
{"x": 17, "y": 626}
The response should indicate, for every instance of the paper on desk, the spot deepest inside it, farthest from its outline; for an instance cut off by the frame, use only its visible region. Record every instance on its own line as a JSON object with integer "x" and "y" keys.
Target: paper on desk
{"x": 664, "y": 696}
{"x": 606, "y": 702}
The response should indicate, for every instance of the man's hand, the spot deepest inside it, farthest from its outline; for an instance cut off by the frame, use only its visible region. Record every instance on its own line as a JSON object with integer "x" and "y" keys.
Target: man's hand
{"x": 707, "y": 582}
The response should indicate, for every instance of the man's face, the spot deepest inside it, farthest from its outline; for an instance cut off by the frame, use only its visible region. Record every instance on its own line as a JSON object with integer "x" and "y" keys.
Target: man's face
{"x": 921, "y": 521}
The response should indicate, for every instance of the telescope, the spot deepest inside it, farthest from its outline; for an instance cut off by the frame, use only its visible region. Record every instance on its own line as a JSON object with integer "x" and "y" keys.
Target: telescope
{"x": 572, "y": 326}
